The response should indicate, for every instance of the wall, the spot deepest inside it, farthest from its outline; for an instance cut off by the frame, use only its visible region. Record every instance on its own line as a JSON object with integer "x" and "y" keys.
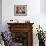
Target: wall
{"x": 43, "y": 14}
{"x": 34, "y": 14}
{"x": 0, "y": 15}
{"x": 33, "y": 10}
{"x": 43, "y": 6}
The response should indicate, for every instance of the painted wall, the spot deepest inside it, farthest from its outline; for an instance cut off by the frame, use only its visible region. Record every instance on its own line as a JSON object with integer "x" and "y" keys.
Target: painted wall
{"x": 34, "y": 14}
{"x": 33, "y": 11}
{"x": 0, "y": 15}
{"x": 43, "y": 6}
{"x": 43, "y": 14}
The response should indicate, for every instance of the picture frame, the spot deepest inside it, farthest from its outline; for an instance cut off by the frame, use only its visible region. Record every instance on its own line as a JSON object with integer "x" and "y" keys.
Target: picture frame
{"x": 20, "y": 10}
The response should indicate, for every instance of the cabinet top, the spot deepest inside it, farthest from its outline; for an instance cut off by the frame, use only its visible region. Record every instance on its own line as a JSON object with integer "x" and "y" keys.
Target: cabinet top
{"x": 19, "y": 23}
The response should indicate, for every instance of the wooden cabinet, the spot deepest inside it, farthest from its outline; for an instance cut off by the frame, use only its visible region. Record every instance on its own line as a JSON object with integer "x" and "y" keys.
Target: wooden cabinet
{"x": 22, "y": 33}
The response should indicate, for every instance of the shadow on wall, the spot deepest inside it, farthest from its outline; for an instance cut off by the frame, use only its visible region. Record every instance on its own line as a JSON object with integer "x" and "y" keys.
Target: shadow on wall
{"x": 43, "y": 6}
{"x": 0, "y": 15}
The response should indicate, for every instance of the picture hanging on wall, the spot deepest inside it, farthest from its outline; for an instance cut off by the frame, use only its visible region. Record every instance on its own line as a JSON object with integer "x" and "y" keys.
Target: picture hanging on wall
{"x": 20, "y": 10}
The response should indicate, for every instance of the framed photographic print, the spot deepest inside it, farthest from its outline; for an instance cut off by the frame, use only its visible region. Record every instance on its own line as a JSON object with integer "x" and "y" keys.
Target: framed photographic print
{"x": 20, "y": 10}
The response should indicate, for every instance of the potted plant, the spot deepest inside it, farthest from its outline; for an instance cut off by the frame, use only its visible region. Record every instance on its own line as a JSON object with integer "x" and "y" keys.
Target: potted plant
{"x": 41, "y": 36}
